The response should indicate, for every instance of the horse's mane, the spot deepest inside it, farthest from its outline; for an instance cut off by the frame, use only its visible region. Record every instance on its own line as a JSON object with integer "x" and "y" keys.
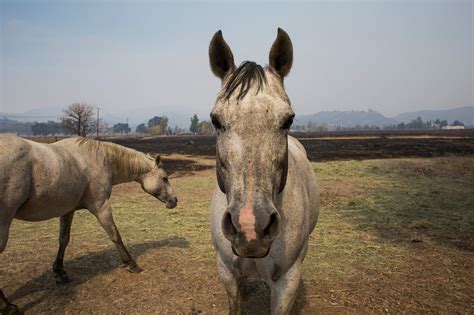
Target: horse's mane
{"x": 243, "y": 76}
{"x": 124, "y": 161}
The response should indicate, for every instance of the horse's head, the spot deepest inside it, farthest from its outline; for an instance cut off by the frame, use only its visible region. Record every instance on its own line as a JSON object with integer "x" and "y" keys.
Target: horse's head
{"x": 252, "y": 116}
{"x": 155, "y": 182}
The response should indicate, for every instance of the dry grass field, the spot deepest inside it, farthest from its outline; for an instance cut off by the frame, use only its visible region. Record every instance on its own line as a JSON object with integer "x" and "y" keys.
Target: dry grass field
{"x": 393, "y": 236}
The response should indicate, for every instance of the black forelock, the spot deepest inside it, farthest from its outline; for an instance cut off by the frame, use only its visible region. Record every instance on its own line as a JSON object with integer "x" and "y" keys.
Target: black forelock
{"x": 243, "y": 76}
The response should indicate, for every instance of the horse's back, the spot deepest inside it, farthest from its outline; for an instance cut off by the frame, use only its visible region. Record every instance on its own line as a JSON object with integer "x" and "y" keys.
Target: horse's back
{"x": 13, "y": 159}
{"x": 295, "y": 147}
{"x": 12, "y": 148}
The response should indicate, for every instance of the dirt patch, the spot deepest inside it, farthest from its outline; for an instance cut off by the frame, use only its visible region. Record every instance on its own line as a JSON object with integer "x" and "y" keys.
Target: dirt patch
{"x": 430, "y": 167}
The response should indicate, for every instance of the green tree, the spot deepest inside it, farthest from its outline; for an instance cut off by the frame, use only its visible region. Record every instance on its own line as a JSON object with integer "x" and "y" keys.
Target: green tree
{"x": 54, "y": 128}
{"x": 154, "y": 121}
{"x": 158, "y": 125}
{"x": 194, "y": 128}
{"x": 49, "y": 128}
{"x": 155, "y": 130}
{"x": 121, "y": 128}
{"x": 141, "y": 128}
{"x": 401, "y": 126}
{"x": 163, "y": 125}
{"x": 205, "y": 128}
{"x": 39, "y": 129}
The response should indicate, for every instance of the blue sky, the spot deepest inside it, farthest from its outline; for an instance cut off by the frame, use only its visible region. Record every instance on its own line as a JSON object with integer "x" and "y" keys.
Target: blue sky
{"x": 391, "y": 56}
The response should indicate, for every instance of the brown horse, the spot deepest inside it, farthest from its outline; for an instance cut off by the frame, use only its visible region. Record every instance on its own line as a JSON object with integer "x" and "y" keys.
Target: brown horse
{"x": 267, "y": 200}
{"x": 43, "y": 181}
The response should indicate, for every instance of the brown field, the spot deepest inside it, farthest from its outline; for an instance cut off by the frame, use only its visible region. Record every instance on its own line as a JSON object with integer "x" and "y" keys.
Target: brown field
{"x": 394, "y": 235}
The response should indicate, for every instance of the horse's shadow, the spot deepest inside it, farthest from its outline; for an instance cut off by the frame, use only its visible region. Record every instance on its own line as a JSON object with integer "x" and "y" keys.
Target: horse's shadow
{"x": 43, "y": 287}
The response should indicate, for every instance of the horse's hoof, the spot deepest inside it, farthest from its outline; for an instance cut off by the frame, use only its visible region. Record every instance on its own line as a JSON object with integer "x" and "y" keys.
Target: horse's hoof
{"x": 62, "y": 278}
{"x": 11, "y": 309}
{"x": 133, "y": 268}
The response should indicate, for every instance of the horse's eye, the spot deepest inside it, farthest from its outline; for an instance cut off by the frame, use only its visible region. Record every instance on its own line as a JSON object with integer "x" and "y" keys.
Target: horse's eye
{"x": 165, "y": 179}
{"x": 288, "y": 122}
{"x": 216, "y": 122}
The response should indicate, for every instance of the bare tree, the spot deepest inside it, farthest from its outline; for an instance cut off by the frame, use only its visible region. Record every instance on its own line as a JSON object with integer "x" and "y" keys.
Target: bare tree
{"x": 79, "y": 119}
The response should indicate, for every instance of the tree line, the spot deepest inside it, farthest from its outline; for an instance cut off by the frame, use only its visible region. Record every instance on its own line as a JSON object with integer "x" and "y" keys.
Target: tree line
{"x": 415, "y": 124}
{"x": 77, "y": 119}
{"x": 81, "y": 119}
{"x": 158, "y": 125}
{"x": 418, "y": 123}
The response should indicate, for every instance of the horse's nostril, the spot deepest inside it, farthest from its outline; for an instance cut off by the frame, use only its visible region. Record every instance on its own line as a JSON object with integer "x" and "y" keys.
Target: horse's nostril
{"x": 228, "y": 227}
{"x": 272, "y": 227}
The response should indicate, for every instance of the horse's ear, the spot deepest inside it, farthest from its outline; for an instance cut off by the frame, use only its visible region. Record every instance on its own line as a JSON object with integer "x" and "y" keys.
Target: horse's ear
{"x": 220, "y": 56}
{"x": 281, "y": 54}
{"x": 158, "y": 159}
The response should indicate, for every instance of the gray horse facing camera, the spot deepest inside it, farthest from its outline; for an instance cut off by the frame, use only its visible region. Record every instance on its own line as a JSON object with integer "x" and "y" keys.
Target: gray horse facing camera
{"x": 267, "y": 200}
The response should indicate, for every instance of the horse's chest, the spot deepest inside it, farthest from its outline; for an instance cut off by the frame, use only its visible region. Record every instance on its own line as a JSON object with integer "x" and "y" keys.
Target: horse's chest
{"x": 246, "y": 267}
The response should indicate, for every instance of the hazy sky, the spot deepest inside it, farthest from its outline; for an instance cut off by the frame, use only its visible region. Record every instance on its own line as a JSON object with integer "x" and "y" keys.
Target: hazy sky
{"x": 391, "y": 56}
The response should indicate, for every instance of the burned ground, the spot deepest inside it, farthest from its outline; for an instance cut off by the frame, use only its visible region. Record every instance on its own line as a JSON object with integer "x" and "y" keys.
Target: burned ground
{"x": 330, "y": 146}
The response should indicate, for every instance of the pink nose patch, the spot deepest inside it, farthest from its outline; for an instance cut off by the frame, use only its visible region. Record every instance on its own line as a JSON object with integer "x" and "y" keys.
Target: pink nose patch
{"x": 247, "y": 222}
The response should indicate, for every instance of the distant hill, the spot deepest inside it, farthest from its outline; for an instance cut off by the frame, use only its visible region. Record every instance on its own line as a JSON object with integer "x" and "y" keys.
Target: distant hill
{"x": 463, "y": 114}
{"x": 346, "y": 118}
{"x": 37, "y": 114}
{"x": 359, "y": 117}
{"x": 15, "y": 127}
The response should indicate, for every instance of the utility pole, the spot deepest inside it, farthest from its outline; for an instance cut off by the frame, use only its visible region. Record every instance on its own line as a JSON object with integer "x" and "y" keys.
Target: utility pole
{"x": 97, "y": 127}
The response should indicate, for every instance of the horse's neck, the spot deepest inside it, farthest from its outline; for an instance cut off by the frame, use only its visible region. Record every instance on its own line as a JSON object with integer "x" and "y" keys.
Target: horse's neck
{"x": 128, "y": 170}
{"x": 120, "y": 178}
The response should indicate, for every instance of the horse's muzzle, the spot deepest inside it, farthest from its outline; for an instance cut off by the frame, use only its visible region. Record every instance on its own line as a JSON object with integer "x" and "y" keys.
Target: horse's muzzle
{"x": 251, "y": 249}
{"x": 247, "y": 244}
{"x": 171, "y": 203}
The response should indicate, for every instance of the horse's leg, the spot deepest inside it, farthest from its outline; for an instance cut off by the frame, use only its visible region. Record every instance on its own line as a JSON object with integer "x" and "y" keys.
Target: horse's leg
{"x": 5, "y": 220}
{"x": 64, "y": 236}
{"x": 7, "y": 308}
{"x": 284, "y": 288}
{"x": 233, "y": 285}
{"x": 105, "y": 218}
